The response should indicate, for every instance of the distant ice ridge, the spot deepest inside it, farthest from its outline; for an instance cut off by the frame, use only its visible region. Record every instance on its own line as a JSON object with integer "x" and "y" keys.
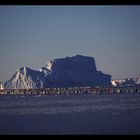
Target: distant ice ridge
{"x": 1, "y": 85}
{"x": 126, "y": 82}
{"x": 72, "y": 71}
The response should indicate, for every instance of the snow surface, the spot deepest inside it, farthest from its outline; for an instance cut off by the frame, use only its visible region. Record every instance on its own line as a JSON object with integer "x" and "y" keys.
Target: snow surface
{"x": 73, "y": 114}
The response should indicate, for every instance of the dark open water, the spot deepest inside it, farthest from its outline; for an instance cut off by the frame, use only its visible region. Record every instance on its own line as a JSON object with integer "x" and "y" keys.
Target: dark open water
{"x": 73, "y": 114}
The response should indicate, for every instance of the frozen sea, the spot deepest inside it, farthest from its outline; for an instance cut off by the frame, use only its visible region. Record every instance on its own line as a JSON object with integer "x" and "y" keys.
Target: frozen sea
{"x": 70, "y": 114}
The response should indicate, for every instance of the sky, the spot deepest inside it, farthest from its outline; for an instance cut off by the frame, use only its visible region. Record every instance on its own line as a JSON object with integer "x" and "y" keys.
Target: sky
{"x": 32, "y": 35}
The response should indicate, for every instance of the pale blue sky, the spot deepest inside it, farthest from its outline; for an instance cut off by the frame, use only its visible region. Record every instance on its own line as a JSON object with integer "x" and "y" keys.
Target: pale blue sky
{"x": 32, "y": 35}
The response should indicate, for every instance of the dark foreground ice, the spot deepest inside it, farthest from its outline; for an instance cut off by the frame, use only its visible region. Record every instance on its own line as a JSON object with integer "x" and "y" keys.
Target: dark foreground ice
{"x": 73, "y": 114}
